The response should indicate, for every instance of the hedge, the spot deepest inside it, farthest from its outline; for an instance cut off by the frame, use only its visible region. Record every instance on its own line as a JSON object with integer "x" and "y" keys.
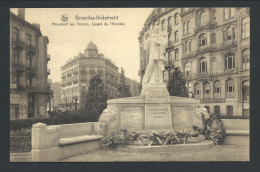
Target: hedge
{"x": 20, "y": 124}
{"x": 56, "y": 118}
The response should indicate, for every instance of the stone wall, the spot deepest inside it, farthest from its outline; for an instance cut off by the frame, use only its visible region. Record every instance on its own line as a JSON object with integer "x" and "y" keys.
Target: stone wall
{"x": 56, "y": 142}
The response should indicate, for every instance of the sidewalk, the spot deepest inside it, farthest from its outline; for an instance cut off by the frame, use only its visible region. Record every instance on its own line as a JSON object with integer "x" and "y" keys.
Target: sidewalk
{"x": 217, "y": 153}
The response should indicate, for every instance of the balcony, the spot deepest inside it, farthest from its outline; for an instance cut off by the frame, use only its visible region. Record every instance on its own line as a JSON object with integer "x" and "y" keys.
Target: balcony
{"x": 210, "y": 74}
{"x": 213, "y": 100}
{"x": 48, "y": 57}
{"x": 63, "y": 76}
{"x": 75, "y": 81}
{"x": 31, "y": 89}
{"x": 69, "y": 74}
{"x": 20, "y": 87}
{"x": 209, "y": 48}
{"x": 69, "y": 82}
{"x": 30, "y": 49}
{"x": 18, "y": 43}
{"x": 19, "y": 67}
{"x": 75, "y": 72}
{"x": 30, "y": 71}
{"x": 206, "y": 25}
{"x": 48, "y": 72}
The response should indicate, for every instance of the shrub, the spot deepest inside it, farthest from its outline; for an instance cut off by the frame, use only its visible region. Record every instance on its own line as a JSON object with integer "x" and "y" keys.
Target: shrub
{"x": 121, "y": 137}
{"x": 20, "y": 124}
{"x": 68, "y": 117}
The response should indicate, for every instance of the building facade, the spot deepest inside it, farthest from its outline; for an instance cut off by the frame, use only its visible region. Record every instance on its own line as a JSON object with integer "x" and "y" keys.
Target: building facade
{"x": 29, "y": 89}
{"x": 77, "y": 73}
{"x": 211, "y": 46}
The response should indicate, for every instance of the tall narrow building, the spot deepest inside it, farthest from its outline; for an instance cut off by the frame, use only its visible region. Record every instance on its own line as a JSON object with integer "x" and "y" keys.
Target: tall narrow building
{"x": 29, "y": 89}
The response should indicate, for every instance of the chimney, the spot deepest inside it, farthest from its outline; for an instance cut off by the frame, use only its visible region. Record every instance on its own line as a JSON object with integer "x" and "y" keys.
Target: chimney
{"x": 21, "y": 13}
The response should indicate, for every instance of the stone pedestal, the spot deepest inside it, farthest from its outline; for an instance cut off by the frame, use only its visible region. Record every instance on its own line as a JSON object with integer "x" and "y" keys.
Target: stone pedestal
{"x": 157, "y": 107}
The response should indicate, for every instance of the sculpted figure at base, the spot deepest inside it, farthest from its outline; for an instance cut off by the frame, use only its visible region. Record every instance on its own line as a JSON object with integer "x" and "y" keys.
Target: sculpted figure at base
{"x": 156, "y": 45}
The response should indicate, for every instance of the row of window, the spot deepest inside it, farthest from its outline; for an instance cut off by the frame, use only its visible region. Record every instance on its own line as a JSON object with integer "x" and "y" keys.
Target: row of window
{"x": 229, "y": 62}
{"x": 229, "y": 34}
{"x": 217, "y": 89}
{"x": 16, "y": 36}
{"x": 229, "y": 110}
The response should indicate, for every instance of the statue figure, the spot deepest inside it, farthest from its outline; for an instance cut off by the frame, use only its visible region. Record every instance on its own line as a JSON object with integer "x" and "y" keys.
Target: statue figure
{"x": 156, "y": 43}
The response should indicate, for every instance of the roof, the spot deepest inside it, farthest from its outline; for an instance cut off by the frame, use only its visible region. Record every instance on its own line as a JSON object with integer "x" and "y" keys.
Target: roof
{"x": 91, "y": 46}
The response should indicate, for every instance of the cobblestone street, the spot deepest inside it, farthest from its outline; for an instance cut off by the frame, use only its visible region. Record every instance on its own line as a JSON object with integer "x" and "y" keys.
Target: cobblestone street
{"x": 217, "y": 153}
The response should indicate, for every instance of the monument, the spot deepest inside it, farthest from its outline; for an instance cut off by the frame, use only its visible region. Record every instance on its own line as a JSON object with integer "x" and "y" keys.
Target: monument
{"x": 154, "y": 109}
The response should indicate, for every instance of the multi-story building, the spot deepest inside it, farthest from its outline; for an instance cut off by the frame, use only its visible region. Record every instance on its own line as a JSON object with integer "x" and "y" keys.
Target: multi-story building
{"x": 211, "y": 46}
{"x": 77, "y": 73}
{"x": 29, "y": 89}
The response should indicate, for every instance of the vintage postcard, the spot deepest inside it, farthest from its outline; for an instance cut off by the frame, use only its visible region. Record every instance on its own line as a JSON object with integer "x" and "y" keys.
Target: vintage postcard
{"x": 129, "y": 84}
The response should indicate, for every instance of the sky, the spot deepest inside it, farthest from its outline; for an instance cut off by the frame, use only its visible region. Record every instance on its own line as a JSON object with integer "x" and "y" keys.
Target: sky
{"x": 117, "y": 42}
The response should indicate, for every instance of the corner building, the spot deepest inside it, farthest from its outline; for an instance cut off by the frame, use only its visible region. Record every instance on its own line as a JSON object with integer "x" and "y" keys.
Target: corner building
{"x": 29, "y": 88}
{"x": 77, "y": 73}
{"x": 211, "y": 46}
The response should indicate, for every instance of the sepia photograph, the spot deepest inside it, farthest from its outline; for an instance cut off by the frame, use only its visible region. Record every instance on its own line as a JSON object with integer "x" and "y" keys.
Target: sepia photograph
{"x": 130, "y": 84}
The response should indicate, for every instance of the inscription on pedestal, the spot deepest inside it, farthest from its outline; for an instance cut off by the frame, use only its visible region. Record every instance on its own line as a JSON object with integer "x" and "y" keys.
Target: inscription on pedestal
{"x": 160, "y": 96}
{"x": 157, "y": 116}
{"x": 133, "y": 118}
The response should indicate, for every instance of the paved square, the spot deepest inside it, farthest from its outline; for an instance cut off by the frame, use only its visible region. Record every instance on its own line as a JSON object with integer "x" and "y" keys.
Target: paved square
{"x": 217, "y": 153}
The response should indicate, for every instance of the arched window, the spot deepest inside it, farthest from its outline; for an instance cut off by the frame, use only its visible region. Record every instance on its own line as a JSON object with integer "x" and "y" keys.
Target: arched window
{"x": 229, "y": 110}
{"x": 176, "y": 19}
{"x": 202, "y": 40}
{"x": 229, "y": 34}
{"x": 245, "y": 28}
{"x": 208, "y": 109}
{"x": 197, "y": 90}
{"x": 230, "y": 88}
{"x": 176, "y": 54}
{"x": 213, "y": 38}
{"x": 206, "y": 88}
{"x": 188, "y": 27}
{"x": 187, "y": 69}
{"x": 184, "y": 28}
{"x": 246, "y": 91}
{"x": 217, "y": 89}
{"x": 170, "y": 23}
{"x": 176, "y": 35}
{"x": 203, "y": 19}
{"x": 217, "y": 110}
{"x": 229, "y": 60}
{"x": 246, "y": 58}
{"x": 203, "y": 65}
{"x": 163, "y": 24}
